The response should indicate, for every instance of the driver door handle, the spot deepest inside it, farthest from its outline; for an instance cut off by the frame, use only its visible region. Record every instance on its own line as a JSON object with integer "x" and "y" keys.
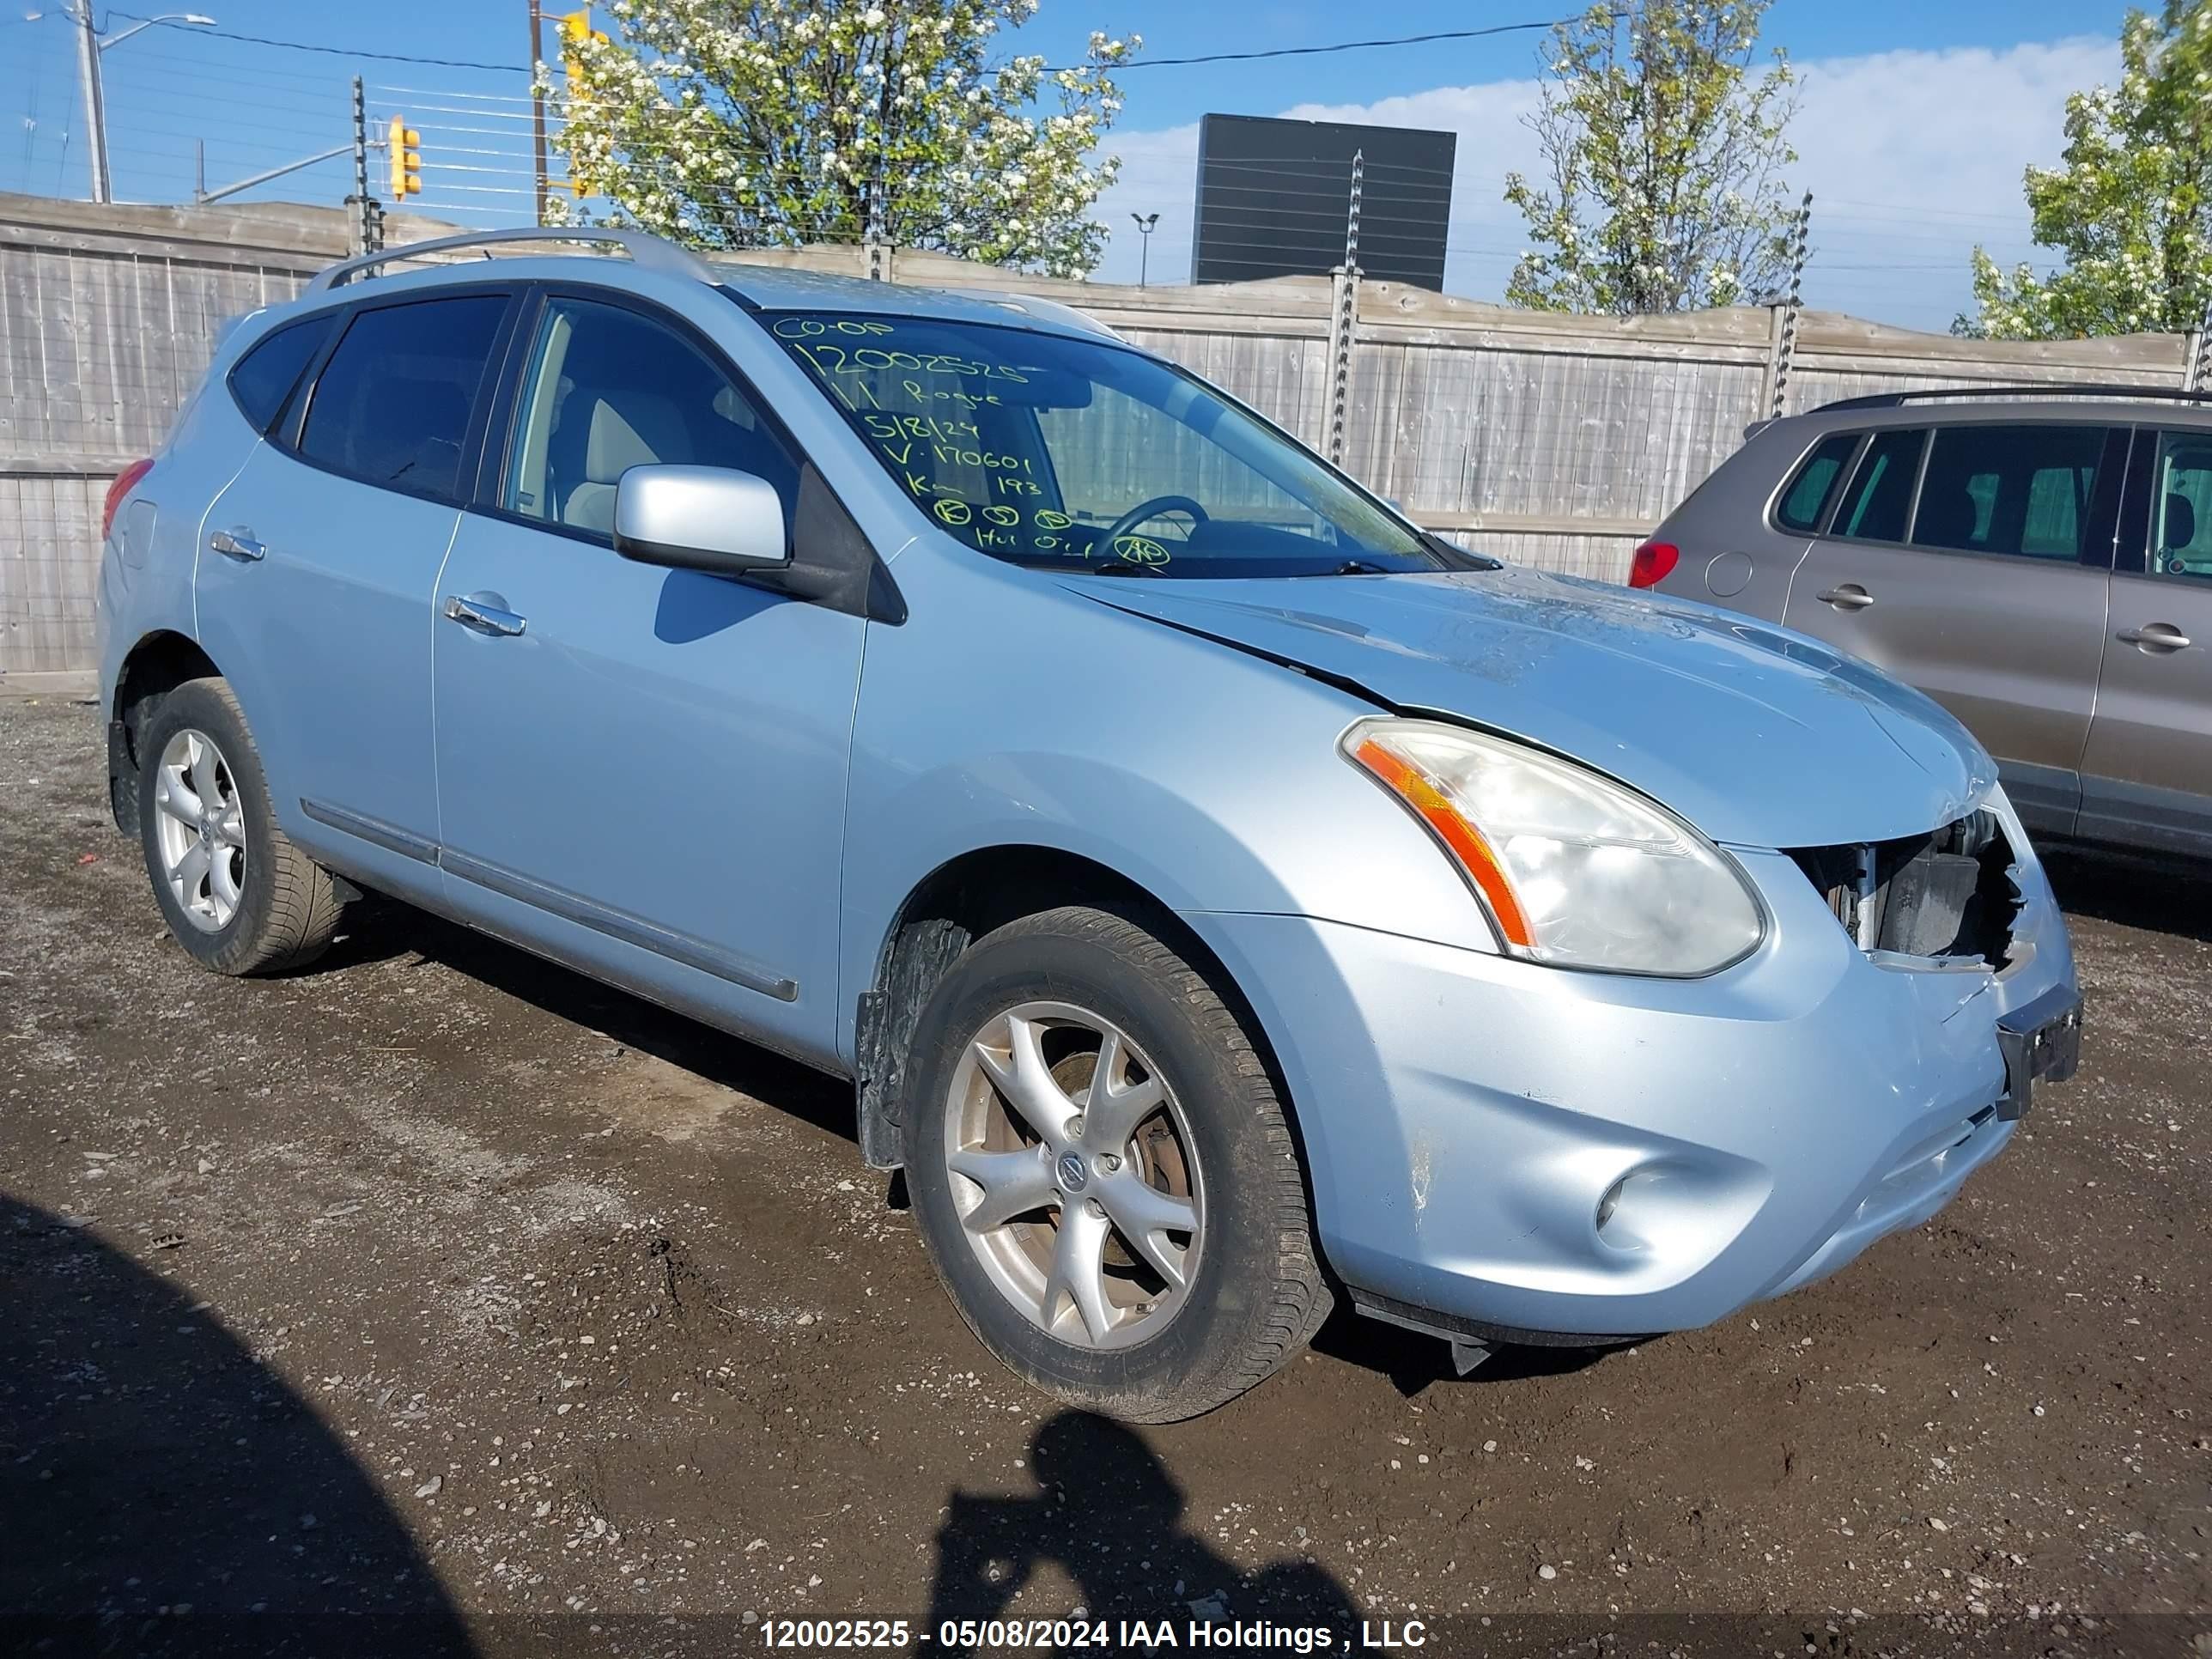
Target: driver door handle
{"x": 483, "y": 618}
{"x": 1849, "y": 596}
{"x": 2156, "y": 637}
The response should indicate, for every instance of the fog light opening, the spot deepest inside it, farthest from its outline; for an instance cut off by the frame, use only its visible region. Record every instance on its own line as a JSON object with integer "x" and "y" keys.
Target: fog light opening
{"x": 1609, "y": 1203}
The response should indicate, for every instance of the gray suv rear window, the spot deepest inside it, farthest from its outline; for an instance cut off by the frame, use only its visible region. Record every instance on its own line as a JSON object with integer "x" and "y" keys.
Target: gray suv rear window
{"x": 1806, "y": 497}
{"x": 391, "y": 406}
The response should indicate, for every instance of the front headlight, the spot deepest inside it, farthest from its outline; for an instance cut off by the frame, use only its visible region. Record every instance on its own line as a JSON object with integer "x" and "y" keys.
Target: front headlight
{"x": 1575, "y": 869}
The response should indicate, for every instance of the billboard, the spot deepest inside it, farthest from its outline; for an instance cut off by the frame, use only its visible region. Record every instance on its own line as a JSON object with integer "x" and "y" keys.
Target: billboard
{"x": 1273, "y": 198}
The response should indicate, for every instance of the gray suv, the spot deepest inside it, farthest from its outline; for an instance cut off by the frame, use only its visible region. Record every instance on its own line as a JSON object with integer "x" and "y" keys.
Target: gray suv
{"x": 2037, "y": 560}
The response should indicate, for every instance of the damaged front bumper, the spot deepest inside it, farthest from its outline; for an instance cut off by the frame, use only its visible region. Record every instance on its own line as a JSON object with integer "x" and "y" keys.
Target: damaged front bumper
{"x": 1516, "y": 1150}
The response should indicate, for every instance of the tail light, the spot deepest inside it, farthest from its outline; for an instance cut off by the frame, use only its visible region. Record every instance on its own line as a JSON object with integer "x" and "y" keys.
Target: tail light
{"x": 1653, "y": 563}
{"x": 125, "y": 481}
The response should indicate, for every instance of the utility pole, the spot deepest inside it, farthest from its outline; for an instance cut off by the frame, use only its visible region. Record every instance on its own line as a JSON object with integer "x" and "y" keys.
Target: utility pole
{"x": 95, "y": 101}
{"x": 89, "y": 45}
{"x": 537, "y": 102}
{"x": 1145, "y": 222}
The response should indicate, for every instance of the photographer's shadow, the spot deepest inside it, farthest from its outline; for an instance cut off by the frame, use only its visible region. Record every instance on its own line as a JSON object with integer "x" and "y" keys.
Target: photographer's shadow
{"x": 1108, "y": 1515}
{"x": 163, "y": 1492}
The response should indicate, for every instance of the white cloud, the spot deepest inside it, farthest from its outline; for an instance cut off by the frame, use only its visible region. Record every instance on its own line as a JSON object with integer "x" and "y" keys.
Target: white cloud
{"x": 1912, "y": 158}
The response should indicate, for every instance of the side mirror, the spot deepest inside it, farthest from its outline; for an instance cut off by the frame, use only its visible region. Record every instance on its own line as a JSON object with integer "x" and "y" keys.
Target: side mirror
{"x": 700, "y": 518}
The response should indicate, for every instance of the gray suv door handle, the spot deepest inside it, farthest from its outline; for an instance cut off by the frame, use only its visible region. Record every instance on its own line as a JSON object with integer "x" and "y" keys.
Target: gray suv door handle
{"x": 239, "y": 543}
{"x": 2157, "y": 636}
{"x": 1849, "y": 597}
{"x": 484, "y": 618}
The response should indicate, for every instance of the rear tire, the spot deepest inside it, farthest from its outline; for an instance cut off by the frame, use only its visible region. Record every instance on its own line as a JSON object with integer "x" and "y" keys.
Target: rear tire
{"x": 235, "y": 891}
{"x": 1145, "y": 1252}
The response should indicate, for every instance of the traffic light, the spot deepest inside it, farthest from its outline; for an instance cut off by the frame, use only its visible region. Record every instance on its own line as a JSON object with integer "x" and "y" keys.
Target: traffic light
{"x": 576, "y": 29}
{"x": 405, "y": 145}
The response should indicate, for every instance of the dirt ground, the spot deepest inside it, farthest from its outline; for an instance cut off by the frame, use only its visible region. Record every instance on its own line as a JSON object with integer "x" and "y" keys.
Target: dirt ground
{"x": 438, "y": 1300}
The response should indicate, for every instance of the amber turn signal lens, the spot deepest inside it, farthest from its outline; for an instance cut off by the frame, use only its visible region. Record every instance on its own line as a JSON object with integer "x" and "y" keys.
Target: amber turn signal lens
{"x": 1461, "y": 839}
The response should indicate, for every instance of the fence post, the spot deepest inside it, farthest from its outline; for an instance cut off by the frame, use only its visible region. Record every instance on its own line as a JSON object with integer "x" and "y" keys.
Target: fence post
{"x": 359, "y": 200}
{"x": 2197, "y": 344}
{"x": 1344, "y": 316}
{"x": 1782, "y": 336}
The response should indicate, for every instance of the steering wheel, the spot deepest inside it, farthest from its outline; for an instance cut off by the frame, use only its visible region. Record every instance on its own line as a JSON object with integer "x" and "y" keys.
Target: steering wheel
{"x": 1142, "y": 511}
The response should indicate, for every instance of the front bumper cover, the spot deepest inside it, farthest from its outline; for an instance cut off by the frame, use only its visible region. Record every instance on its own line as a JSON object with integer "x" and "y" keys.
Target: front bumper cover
{"x": 1467, "y": 1117}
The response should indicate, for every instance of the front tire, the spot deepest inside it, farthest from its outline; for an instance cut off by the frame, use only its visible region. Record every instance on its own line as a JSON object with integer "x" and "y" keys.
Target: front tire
{"x": 235, "y": 891}
{"x": 1103, "y": 1173}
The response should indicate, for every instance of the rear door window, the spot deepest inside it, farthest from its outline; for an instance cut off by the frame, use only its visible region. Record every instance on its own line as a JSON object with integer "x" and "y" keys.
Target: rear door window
{"x": 393, "y": 405}
{"x": 2024, "y": 490}
{"x": 1879, "y": 497}
{"x": 1806, "y": 497}
{"x": 263, "y": 380}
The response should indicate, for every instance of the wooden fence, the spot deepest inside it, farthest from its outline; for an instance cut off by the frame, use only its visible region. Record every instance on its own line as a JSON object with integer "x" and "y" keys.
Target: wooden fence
{"x": 1554, "y": 440}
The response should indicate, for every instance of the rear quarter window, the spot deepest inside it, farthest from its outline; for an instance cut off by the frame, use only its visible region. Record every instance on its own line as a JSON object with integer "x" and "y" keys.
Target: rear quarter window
{"x": 263, "y": 380}
{"x": 1818, "y": 474}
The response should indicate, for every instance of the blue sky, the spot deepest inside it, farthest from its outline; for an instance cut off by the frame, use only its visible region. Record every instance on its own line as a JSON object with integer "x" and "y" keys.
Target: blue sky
{"x": 1917, "y": 119}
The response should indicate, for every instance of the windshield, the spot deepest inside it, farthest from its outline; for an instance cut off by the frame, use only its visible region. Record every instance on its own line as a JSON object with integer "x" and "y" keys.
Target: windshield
{"x": 1072, "y": 454}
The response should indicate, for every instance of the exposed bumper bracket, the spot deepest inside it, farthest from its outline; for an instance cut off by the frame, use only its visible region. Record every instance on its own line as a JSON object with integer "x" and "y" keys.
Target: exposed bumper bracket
{"x": 2041, "y": 1042}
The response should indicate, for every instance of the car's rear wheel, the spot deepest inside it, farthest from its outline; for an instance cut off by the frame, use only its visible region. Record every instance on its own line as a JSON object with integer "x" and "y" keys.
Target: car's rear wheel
{"x": 237, "y": 894}
{"x": 1103, "y": 1173}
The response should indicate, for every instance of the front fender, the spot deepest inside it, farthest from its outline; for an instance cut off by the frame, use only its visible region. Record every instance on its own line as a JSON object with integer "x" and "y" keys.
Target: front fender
{"x": 1009, "y": 711}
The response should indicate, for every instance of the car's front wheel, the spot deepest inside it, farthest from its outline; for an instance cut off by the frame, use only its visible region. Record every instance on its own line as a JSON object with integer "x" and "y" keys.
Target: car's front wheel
{"x": 237, "y": 894}
{"x": 1103, "y": 1173}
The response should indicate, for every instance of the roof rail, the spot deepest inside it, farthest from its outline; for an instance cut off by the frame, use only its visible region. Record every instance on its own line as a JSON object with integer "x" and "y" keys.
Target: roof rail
{"x": 651, "y": 252}
{"x": 1043, "y": 310}
{"x": 1896, "y": 399}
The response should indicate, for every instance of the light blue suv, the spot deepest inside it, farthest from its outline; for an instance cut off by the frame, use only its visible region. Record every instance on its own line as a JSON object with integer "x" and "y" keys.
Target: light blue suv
{"x": 1223, "y": 894}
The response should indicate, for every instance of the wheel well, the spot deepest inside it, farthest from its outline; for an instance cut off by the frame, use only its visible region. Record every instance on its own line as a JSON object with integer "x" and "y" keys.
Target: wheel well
{"x": 959, "y": 903}
{"x": 157, "y": 664}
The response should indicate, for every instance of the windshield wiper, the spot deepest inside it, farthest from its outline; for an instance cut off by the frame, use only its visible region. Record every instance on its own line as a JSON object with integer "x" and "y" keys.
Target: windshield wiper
{"x": 1122, "y": 567}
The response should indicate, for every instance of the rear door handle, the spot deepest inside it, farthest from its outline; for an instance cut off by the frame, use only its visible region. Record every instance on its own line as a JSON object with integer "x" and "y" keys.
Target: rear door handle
{"x": 239, "y": 543}
{"x": 483, "y": 618}
{"x": 2157, "y": 636}
{"x": 1849, "y": 597}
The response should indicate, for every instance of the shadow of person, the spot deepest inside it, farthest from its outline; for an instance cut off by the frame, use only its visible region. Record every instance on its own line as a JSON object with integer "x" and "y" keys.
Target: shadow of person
{"x": 1107, "y": 1514}
{"x": 161, "y": 1492}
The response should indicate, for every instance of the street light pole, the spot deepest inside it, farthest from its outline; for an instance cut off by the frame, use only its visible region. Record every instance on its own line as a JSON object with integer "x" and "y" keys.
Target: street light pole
{"x": 95, "y": 106}
{"x": 537, "y": 103}
{"x": 89, "y": 45}
{"x": 1145, "y": 222}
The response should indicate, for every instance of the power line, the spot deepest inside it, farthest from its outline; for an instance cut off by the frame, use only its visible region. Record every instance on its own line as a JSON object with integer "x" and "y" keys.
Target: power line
{"x": 1316, "y": 52}
{"x": 333, "y": 51}
{"x": 1139, "y": 63}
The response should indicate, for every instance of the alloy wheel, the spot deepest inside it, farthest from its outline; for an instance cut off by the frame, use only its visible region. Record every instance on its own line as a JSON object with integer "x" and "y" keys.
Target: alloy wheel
{"x": 1075, "y": 1175}
{"x": 200, "y": 831}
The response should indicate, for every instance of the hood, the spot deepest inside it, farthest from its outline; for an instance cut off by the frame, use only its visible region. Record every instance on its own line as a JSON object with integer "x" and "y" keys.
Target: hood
{"x": 1757, "y": 736}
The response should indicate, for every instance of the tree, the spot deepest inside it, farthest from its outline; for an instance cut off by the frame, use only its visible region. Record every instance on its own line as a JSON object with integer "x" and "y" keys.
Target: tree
{"x": 1665, "y": 153}
{"x": 2129, "y": 205}
{"x": 773, "y": 122}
